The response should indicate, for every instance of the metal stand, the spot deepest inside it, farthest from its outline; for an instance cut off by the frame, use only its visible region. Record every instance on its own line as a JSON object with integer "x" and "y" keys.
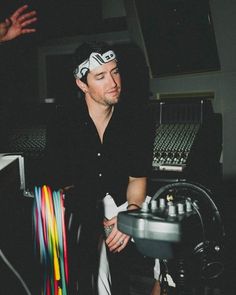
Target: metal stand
{"x": 182, "y": 279}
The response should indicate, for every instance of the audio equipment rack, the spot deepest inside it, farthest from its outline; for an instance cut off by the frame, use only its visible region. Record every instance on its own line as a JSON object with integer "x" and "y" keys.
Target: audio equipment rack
{"x": 187, "y": 141}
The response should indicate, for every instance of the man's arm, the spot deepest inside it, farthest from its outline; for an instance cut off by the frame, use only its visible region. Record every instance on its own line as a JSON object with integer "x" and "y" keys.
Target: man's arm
{"x": 136, "y": 193}
{"x": 17, "y": 23}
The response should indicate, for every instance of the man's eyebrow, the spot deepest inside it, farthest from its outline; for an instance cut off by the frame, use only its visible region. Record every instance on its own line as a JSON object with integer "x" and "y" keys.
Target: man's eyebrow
{"x": 100, "y": 73}
{"x": 103, "y": 72}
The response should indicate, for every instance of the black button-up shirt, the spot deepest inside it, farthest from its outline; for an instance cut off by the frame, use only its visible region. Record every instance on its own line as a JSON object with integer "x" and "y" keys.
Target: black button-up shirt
{"x": 78, "y": 156}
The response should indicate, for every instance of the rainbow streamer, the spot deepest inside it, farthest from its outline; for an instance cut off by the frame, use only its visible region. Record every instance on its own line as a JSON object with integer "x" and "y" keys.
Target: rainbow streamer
{"x": 50, "y": 239}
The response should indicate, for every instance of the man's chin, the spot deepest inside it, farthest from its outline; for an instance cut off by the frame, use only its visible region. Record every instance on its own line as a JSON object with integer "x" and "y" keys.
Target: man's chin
{"x": 113, "y": 101}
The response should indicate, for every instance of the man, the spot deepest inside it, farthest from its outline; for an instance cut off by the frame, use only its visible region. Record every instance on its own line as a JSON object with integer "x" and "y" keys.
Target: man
{"x": 100, "y": 149}
{"x": 16, "y": 24}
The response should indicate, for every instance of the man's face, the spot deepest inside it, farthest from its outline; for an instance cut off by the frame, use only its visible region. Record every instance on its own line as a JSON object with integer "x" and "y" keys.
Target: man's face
{"x": 104, "y": 84}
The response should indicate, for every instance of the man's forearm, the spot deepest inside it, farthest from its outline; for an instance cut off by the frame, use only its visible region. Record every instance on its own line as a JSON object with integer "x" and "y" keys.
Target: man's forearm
{"x": 136, "y": 192}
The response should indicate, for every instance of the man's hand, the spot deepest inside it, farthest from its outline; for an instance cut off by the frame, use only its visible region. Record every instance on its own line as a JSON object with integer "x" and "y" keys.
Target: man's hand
{"x": 17, "y": 23}
{"x": 116, "y": 240}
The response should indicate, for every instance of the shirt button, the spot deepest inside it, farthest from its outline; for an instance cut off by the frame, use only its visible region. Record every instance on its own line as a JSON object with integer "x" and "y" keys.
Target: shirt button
{"x": 99, "y": 154}
{"x": 100, "y": 174}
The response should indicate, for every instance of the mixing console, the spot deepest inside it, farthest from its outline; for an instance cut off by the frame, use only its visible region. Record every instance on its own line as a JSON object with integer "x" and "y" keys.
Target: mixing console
{"x": 172, "y": 145}
{"x": 31, "y": 140}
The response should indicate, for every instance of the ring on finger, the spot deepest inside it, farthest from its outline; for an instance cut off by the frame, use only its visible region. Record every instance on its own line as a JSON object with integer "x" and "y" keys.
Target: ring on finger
{"x": 121, "y": 242}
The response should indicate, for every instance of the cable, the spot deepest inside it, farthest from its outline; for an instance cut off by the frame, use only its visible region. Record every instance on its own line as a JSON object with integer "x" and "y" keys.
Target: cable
{"x": 206, "y": 265}
{"x": 202, "y": 191}
{"x": 50, "y": 239}
{"x": 211, "y": 269}
{"x": 15, "y": 272}
{"x": 195, "y": 207}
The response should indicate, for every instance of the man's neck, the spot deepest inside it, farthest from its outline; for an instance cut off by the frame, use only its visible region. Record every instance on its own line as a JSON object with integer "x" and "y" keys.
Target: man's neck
{"x": 100, "y": 114}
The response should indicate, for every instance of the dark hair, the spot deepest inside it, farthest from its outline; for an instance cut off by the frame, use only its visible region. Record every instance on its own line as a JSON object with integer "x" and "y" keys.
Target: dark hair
{"x": 84, "y": 51}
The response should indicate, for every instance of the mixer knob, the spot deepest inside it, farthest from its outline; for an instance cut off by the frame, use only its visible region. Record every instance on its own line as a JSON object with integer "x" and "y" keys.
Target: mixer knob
{"x": 180, "y": 207}
{"x": 188, "y": 206}
{"x": 153, "y": 205}
{"x": 172, "y": 210}
{"x": 169, "y": 203}
{"x": 162, "y": 203}
{"x": 144, "y": 207}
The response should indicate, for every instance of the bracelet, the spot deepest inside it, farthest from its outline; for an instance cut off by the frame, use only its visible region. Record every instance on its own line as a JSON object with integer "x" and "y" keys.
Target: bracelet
{"x": 133, "y": 205}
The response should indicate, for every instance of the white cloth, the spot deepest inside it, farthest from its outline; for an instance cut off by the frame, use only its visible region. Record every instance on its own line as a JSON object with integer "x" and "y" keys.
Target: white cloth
{"x": 157, "y": 269}
{"x": 110, "y": 208}
{"x": 104, "y": 276}
{"x": 95, "y": 60}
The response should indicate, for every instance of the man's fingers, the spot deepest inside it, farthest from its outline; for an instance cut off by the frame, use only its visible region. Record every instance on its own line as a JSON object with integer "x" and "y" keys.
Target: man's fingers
{"x": 18, "y": 12}
{"x": 122, "y": 245}
{"x": 27, "y": 16}
{"x": 118, "y": 243}
{"x": 28, "y": 22}
{"x": 26, "y": 31}
{"x": 7, "y": 22}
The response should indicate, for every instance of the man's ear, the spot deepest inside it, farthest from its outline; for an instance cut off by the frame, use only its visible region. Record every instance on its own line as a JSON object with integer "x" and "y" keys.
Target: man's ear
{"x": 83, "y": 86}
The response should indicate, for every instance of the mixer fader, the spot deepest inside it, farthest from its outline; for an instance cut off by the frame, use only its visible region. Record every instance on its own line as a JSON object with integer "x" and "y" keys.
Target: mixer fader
{"x": 172, "y": 145}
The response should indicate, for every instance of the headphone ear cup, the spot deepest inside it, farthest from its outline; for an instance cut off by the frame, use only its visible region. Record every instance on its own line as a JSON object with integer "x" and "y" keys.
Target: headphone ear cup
{"x": 209, "y": 259}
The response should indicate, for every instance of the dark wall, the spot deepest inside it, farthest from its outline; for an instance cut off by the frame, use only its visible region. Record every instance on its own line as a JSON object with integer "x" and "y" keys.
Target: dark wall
{"x": 56, "y": 19}
{"x": 134, "y": 74}
{"x": 178, "y": 35}
{"x": 18, "y": 71}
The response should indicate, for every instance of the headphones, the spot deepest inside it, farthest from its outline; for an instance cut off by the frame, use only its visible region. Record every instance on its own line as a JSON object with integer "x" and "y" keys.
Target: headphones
{"x": 208, "y": 246}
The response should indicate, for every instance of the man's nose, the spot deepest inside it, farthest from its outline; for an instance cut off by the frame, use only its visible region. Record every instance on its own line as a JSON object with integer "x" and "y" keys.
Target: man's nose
{"x": 112, "y": 80}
